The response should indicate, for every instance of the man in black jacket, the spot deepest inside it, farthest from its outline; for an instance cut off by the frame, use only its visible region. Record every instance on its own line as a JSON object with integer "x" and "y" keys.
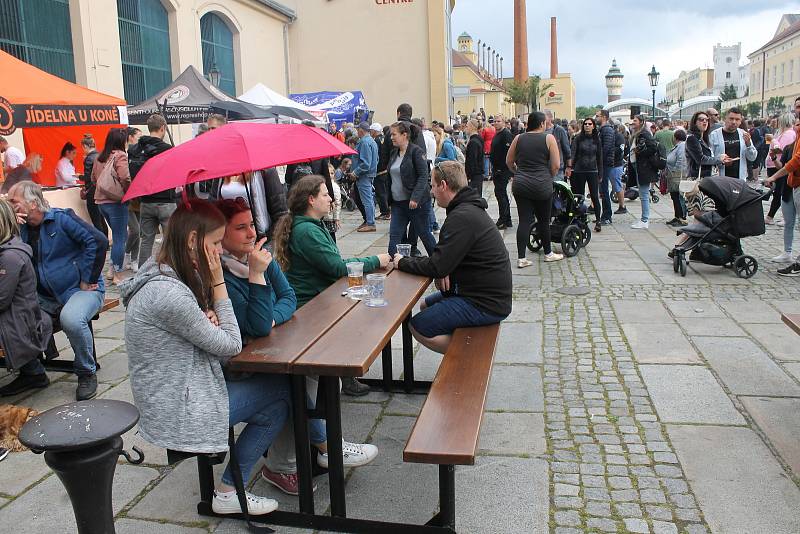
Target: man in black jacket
{"x": 155, "y": 209}
{"x": 607, "y": 144}
{"x": 470, "y": 264}
{"x": 500, "y": 171}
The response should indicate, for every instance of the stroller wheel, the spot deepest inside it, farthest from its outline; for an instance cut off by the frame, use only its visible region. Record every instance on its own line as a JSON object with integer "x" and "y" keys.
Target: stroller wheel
{"x": 586, "y": 235}
{"x": 682, "y": 263}
{"x": 655, "y": 198}
{"x": 534, "y": 241}
{"x": 571, "y": 240}
{"x": 746, "y": 266}
{"x": 676, "y": 262}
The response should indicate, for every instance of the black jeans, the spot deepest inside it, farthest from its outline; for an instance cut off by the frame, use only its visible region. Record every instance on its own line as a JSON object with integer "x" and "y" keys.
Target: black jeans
{"x": 527, "y": 207}
{"x": 94, "y": 212}
{"x": 500, "y": 180}
{"x": 357, "y": 199}
{"x": 476, "y": 183}
{"x": 677, "y": 205}
{"x": 578, "y": 183}
{"x": 382, "y": 192}
{"x": 780, "y": 183}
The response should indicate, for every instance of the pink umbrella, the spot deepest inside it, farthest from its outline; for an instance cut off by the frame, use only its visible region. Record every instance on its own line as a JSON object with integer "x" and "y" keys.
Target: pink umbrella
{"x": 233, "y": 149}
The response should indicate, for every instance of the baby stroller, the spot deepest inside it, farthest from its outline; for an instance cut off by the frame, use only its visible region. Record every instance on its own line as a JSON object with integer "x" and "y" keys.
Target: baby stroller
{"x": 569, "y": 223}
{"x": 348, "y": 200}
{"x": 715, "y": 237}
{"x": 632, "y": 190}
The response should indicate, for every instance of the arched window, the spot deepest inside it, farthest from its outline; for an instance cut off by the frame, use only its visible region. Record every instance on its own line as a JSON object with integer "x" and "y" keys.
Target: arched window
{"x": 144, "y": 42}
{"x": 216, "y": 39}
{"x": 39, "y": 33}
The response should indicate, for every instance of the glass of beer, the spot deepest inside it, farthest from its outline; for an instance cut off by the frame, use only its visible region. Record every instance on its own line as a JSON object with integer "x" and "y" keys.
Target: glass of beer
{"x": 355, "y": 280}
{"x": 768, "y": 139}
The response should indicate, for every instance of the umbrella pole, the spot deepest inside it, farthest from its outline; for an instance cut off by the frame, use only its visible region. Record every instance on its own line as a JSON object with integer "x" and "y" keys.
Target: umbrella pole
{"x": 163, "y": 113}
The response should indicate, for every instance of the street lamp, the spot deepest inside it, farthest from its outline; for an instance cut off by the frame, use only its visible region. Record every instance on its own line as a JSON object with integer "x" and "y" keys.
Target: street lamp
{"x": 214, "y": 75}
{"x": 680, "y": 107}
{"x": 653, "y": 75}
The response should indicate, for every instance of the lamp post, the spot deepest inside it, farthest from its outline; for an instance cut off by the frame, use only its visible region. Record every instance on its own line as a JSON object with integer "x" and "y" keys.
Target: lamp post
{"x": 653, "y": 76}
{"x": 680, "y": 107}
{"x": 214, "y": 75}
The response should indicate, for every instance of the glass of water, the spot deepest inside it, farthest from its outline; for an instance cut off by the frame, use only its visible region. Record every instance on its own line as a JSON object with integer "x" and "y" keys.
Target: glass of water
{"x": 404, "y": 250}
{"x": 375, "y": 290}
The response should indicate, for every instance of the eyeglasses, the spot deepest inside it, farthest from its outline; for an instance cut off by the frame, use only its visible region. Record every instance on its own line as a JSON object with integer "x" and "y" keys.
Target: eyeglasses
{"x": 702, "y": 119}
{"x": 588, "y": 124}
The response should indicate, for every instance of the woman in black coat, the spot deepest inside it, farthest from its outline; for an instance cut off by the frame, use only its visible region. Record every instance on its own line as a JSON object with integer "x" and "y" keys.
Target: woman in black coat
{"x": 643, "y": 150}
{"x": 586, "y": 165}
{"x": 699, "y": 156}
{"x": 473, "y": 156}
{"x": 409, "y": 190}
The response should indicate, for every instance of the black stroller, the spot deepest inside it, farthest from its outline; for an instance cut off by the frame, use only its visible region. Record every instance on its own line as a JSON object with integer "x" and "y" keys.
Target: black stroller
{"x": 715, "y": 238}
{"x": 569, "y": 224}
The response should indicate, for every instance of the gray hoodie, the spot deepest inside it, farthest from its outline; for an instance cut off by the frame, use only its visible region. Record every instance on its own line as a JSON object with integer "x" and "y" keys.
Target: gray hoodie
{"x": 175, "y": 358}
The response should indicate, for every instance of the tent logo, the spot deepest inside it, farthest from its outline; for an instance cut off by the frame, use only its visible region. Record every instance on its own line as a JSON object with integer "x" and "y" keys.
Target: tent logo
{"x": 6, "y": 117}
{"x": 177, "y": 94}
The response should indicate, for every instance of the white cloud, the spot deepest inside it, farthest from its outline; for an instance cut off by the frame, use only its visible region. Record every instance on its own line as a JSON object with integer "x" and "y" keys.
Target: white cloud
{"x": 591, "y": 33}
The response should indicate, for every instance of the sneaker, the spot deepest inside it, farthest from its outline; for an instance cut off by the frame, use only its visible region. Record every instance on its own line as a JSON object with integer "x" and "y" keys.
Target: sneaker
{"x": 286, "y": 482}
{"x": 605, "y": 222}
{"x": 366, "y": 228}
{"x": 3, "y": 453}
{"x": 780, "y": 223}
{"x": 769, "y": 220}
{"x": 640, "y": 225}
{"x": 353, "y": 454}
{"x": 553, "y": 257}
{"x": 523, "y": 262}
{"x": 87, "y": 387}
{"x": 681, "y": 223}
{"x": 228, "y": 503}
{"x": 621, "y": 211}
{"x": 672, "y": 221}
{"x": 24, "y": 383}
{"x": 792, "y": 270}
{"x": 354, "y": 388}
{"x": 782, "y": 258}
{"x": 501, "y": 226}
{"x": 598, "y": 227}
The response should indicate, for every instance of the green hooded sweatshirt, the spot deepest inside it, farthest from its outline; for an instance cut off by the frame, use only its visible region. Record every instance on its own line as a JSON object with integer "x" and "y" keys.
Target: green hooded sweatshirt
{"x": 314, "y": 259}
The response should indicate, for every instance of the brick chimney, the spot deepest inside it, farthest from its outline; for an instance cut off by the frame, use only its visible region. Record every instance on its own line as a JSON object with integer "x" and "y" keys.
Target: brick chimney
{"x": 521, "y": 72}
{"x": 553, "y": 48}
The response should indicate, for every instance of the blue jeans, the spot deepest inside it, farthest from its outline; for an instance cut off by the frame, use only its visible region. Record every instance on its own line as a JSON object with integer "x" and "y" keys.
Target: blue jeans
{"x": 446, "y": 313}
{"x": 116, "y": 215}
{"x": 262, "y": 401}
{"x": 487, "y": 165}
{"x": 74, "y": 317}
{"x": 789, "y": 218}
{"x": 644, "y": 195}
{"x": 419, "y": 219}
{"x": 605, "y": 194}
{"x": 367, "y": 198}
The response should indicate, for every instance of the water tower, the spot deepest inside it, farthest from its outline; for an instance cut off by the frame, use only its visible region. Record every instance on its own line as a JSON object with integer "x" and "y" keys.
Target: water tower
{"x": 614, "y": 82}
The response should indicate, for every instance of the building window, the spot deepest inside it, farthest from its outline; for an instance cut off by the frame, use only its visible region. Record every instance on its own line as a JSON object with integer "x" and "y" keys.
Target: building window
{"x": 217, "y": 42}
{"x": 728, "y": 60}
{"x": 39, "y": 33}
{"x": 144, "y": 42}
{"x": 728, "y": 75}
{"x": 791, "y": 70}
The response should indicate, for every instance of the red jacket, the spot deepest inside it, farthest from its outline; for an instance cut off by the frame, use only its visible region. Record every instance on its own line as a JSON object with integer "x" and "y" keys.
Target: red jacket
{"x": 488, "y": 134}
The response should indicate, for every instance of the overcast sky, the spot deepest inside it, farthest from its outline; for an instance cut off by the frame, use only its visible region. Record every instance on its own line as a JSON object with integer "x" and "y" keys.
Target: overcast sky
{"x": 592, "y": 33}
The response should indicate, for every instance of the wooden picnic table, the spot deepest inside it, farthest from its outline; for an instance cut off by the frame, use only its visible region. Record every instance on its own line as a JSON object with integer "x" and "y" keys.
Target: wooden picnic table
{"x": 330, "y": 337}
{"x": 792, "y": 320}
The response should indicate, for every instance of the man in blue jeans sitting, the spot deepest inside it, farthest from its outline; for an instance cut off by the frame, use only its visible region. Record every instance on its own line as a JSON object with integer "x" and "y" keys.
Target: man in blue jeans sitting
{"x": 470, "y": 264}
{"x": 68, "y": 255}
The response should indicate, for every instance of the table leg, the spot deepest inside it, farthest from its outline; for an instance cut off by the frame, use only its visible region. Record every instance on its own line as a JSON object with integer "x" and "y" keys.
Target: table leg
{"x": 302, "y": 445}
{"x": 408, "y": 356}
{"x": 333, "y": 420}
{"x": 386, "y": 362}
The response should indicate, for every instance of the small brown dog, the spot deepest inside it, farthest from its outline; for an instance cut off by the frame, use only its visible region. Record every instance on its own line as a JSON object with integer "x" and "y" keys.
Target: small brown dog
{"x": 11, "y": 420}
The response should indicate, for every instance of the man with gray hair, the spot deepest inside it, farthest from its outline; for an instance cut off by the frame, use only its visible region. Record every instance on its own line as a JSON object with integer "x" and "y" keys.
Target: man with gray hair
{"x": 470, "y": 264}
{"x": 562, "y": 139}
{"x": 68, "y": 255}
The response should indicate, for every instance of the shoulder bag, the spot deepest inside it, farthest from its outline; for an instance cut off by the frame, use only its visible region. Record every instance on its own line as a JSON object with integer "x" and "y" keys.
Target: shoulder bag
{"x": 108, "y": 183}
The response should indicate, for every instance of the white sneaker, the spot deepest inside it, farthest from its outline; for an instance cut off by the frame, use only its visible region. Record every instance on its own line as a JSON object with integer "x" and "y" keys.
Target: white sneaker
{"x": 640, "y": 225}
{"x": 553, "y": 256}
{"x": 353, "y": 454}
{"x": 769, "y": 220}
{"x": 786, "y": 257}
{"x": 780, "y": 223}
{"x": 523, "y": 262}
{"x": 228, "y": 503}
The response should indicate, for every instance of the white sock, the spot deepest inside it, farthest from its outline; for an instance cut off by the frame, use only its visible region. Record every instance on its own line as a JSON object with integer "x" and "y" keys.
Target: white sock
{"x": 225, "y": 494}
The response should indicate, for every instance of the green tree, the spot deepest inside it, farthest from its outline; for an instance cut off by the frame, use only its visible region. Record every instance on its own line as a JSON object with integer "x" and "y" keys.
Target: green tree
{"x": 728, "y": 93}
{"x": 775, "y": 105}
{"x": 753, "y": 109}
{"x": 528, "y": 92}
{"x": 584, "y": 112}
{"x": 536, "y": 90}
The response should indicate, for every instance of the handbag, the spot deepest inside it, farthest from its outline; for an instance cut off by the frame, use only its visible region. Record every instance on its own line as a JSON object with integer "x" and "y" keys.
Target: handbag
{"x": 691, "y": 186}
{"x": 108, "y": 183}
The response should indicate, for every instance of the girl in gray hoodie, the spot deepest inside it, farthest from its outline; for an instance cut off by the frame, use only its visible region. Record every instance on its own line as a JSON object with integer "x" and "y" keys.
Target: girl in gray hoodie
{"x": 180, "y": 329}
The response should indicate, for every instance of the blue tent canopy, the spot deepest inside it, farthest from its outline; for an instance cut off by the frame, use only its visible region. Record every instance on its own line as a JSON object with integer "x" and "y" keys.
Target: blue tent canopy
{"x": 341, "y": 106}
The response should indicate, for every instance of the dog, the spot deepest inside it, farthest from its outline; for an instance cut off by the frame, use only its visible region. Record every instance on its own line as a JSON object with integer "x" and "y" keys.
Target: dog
{"x": 11, "y": 420}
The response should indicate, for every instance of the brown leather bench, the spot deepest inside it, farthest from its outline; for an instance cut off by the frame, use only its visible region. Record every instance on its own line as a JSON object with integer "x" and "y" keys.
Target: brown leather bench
{"x": 66, "y": 366}
{"x": 448, "y": 426}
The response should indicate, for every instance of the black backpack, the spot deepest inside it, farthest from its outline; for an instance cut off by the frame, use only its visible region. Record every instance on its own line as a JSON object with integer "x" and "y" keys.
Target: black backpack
{"x": 138, "y": 156}
{"x": 658, "y": 159}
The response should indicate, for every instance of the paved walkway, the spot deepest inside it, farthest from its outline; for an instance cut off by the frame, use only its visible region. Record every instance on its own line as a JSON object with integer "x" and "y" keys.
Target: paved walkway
{"x": 647, "y": 403}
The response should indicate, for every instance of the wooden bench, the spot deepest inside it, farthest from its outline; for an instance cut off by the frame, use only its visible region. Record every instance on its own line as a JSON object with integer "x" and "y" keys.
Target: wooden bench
{"x": 792, "y": 320}
{"x": 66, "y": 366}
{"x": 448, "y": 426}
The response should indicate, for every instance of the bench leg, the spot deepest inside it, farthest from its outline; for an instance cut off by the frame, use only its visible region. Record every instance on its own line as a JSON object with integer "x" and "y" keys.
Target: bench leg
{"x": 447, "y": 496}
{"x": 408, "y": 356}
{"x": 301, "y": 443}
{"x": 205, "y": 475}
{"x": 386, "y": 363}
{"x": 333, "y": 420}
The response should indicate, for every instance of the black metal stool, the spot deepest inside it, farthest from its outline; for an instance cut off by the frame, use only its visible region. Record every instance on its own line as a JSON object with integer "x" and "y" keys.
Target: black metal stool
{"x": 81, "y": 442}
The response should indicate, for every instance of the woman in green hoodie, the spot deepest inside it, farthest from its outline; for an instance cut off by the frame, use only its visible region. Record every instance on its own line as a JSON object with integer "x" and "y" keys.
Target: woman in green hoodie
{"x": 307, "y": 253}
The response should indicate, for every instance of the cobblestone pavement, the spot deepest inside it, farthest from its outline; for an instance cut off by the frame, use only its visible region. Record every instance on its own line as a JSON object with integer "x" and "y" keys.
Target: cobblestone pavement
{"x": 624, "y": 398}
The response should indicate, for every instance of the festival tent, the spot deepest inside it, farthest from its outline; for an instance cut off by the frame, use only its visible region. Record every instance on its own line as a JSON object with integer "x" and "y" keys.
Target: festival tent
{"x": 51, "y": 111}
{"x": 347, "y": 106}
{"x": 262, "y": 95}
{"x": 185, "y": 101}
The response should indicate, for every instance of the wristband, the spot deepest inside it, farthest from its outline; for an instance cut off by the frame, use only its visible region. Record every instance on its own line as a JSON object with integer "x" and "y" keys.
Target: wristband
{"x": 220, "y": 284}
